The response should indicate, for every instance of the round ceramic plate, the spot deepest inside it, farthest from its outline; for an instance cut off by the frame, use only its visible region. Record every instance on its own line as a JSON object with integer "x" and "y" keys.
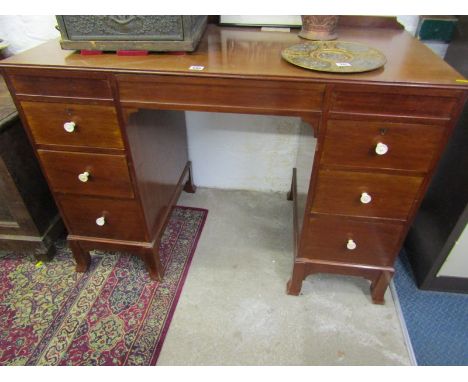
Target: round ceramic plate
{"x": 334, "y": 56}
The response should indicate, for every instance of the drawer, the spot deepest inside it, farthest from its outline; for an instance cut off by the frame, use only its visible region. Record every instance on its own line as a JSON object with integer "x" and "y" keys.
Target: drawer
{"x": 351, "y": 241}
{"x": 417, "y": 102}
{"x": 381, "y": 145}
{"x": 68, "y": 85}
{"x": 95, "y": 125}
{"x": 214, "y": 93}
{"x": 122, "y": 218}
{"x": 340, "y": 192}
{"x": 87, "y": 174}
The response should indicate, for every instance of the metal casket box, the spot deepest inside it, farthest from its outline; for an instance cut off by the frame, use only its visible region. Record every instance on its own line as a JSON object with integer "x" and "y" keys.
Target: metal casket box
{"x": 112, "y": 33}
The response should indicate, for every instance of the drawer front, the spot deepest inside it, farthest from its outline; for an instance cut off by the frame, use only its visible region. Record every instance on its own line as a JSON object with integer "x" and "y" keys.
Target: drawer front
{"x": 340, "y": 192}
{"x": 207, "y": 94}
{"x": 381, "y": 145}
{"x": 404, "y": 102}
{"x": 351, "y": 241}
{"x": 87, "y": 174}
{"x": 122, "y": 219}
{"x": 66, "y": 86}
{"x": 94, "y": 126}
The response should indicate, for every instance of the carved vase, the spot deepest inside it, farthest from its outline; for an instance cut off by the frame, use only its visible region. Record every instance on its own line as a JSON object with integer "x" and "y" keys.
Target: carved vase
{"x": 319, "y": 27}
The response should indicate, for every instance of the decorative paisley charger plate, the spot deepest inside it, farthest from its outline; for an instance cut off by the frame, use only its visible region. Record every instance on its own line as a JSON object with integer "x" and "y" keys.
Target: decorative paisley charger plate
{"x": 334, "y": 56}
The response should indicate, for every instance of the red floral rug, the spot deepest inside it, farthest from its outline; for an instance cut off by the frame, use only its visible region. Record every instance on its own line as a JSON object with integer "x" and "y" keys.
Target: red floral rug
{"x": 114, "y": 314}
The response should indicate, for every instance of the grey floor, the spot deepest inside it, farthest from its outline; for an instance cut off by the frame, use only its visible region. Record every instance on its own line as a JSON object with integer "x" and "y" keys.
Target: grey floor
{"x": 234, "y": 309}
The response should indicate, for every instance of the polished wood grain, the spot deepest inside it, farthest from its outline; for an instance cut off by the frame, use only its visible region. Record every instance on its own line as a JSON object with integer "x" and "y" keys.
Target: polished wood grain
{"x": 56, "y": 84}
{"x": 108, "y": 174}
{"x": 158, "y": 146}
{"x": 81, "y": 247}
{"x": 370, "y": 22}
{"x": 414, "y": 101}
{"x": 81, "y": 256}
{"x": 96, "y": 126}
{"x": 194, "y": 93}
{"x": 326, "y": 237}
{"x": 122, "y": 217}
{"x": 239, "y": 52}
{"x": 379, "y": 277}
{"x": 339, "y": 192}
{"x": 352, "y": 143}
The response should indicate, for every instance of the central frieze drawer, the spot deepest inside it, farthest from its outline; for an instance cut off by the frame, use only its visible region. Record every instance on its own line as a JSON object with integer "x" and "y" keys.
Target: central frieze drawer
{"x": 381, "y": 145}
{"x": 365, "y": 194}
{"x": 72, "y": 124}
{"x": 345, "y": 240}
{"x": 198, "y": 93}
{"x": 103, "y": 217}
{"x": 87, "y": 174}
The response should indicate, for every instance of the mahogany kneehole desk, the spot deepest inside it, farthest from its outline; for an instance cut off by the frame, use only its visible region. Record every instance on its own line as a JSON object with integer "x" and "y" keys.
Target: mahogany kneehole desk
{"x": 109, "y": 132}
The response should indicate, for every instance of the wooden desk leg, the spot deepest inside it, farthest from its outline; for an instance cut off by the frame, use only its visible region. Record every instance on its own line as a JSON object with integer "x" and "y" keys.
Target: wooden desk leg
{"x": 379, "y": 285}
{"x": 189, "y": 185}
{"x": 291, "y": 192}
{"x": 82, "y": 257}
{"x": 294, "y": 285}
{"x": 151, "y": 258}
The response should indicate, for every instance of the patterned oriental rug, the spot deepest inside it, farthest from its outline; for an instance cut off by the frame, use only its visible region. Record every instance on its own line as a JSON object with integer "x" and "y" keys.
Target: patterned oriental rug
{"x": 114, "y": 314}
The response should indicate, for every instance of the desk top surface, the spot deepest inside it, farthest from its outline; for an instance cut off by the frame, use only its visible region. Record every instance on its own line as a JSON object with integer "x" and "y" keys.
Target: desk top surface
{"x": 245, "y": 52}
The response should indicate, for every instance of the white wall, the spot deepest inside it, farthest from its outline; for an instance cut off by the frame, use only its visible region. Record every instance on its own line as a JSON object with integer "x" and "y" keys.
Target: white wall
{"x": 456, "y": 264}
{"x": 236, "y": 151}
{"x": 24, "y": 32}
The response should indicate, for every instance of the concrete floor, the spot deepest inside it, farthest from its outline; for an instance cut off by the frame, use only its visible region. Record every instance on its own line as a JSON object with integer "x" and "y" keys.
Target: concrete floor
{"x": 234, "y": 309}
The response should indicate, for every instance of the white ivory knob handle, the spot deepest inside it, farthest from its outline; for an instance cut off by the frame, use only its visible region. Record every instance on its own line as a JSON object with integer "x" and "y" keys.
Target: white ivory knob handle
{"x": 365, "y": 198}
{"x": 351, "y": 244}
{"x": 101, "y": 221}
{"x": 69, "y": 127}
{"x": 84, "y": 177}
{"x": 381, "y": 148}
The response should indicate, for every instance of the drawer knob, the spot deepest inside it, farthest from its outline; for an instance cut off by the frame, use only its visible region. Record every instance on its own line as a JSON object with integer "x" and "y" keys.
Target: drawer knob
{"x": 69, "y": 127}
{"x": 365, "y": 198}
{"x": 351, "y": 244}
{"x": 84, "y": 177}
{"x": 381, "y": 148}
{"x": 101, "y": 221}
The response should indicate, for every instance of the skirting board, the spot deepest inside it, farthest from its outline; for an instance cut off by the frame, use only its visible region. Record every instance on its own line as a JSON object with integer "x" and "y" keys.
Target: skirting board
{"x": 404, "y": 328}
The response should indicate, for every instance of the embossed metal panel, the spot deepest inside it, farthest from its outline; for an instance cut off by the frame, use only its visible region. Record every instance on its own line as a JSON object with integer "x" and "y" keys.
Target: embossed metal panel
{"x": 126, "y": 32}
{"x": 123, "y": 27}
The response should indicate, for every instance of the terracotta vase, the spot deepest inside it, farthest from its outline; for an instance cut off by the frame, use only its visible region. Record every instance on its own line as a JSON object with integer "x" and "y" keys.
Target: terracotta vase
{"x": 319, "y": 27}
